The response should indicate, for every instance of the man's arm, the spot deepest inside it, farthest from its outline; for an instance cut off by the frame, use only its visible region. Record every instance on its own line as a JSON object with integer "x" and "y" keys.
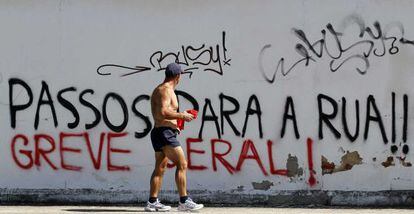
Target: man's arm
{"x": 166, "y": 111}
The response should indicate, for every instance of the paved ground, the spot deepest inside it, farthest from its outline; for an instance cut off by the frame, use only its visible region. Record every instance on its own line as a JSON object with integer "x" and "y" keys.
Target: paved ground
{"x": 243, "y": 210}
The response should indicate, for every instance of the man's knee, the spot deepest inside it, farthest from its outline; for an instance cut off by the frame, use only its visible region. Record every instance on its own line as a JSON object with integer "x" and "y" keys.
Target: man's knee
{"x": 160, "y": 170}
{"x": 182, "y": 165}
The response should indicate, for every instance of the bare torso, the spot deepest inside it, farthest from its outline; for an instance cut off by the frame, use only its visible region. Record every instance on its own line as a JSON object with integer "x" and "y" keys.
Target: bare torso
{"x": 156, "y": 106}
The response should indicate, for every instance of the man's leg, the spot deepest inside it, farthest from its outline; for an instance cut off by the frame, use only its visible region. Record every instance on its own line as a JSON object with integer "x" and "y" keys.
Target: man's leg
{"x": 176, "y": 155}
{"x": 153, "y": 204}
{"x": 156, "y": 178}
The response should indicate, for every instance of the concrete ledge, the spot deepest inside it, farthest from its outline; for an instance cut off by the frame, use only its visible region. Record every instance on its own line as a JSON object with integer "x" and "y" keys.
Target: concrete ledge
{"x": 214, "y": 198}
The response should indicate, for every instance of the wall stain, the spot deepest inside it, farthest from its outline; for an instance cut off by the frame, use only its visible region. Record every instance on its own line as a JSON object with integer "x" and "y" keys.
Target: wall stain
{"x": 347, "y": 162}
{"x": 292, "y": 167}
{"x": 239, "y": 189}
{"x": 99, "y": 178}
{"x": 388, "y": 162}
{"x": 264, "y": 185}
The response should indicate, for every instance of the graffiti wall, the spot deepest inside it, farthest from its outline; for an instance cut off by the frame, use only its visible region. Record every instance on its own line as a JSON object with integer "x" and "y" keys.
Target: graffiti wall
{"x": 292, "y": 95}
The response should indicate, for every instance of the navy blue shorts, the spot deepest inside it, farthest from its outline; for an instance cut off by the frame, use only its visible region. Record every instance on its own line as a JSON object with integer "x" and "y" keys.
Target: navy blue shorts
{"x": 163, "y": 136}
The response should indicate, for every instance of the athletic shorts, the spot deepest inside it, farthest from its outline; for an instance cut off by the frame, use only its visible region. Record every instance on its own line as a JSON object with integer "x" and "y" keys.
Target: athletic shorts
{"x": 163, "y": 136}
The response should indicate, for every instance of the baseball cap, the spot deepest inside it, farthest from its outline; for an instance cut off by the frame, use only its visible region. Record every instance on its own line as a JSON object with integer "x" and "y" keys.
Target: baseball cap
{"x": 173, "y": 69}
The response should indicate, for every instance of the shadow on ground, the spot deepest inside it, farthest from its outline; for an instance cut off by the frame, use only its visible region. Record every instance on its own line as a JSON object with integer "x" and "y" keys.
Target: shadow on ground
{"x": 101, "y": 210}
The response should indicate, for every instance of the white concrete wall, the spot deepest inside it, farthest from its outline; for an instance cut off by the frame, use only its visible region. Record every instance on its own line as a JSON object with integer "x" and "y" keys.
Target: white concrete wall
{"x": 62, "y": 43}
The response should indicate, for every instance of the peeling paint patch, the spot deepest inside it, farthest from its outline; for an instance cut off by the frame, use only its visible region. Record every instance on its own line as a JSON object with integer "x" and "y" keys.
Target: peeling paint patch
{"x": 388, "y": 162}
{"x": 327, "y": 167}
{"x": 292, "y": 167}
{"x": 350, "y": 159}
{"x": 347, "y": 162}
{"x": 264, "y": 185}
{"x": 404, "y": 163}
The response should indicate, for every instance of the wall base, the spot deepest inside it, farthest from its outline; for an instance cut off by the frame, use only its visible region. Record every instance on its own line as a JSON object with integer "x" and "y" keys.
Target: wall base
{"x": 213, "y": 198}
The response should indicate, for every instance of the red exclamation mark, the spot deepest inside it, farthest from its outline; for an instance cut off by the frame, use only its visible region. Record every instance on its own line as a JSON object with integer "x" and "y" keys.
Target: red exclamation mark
{"x": 312, "y": 179}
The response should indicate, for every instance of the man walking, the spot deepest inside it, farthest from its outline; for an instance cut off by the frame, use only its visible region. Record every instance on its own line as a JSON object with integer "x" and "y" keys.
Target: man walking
{"x": 164, "y": 107}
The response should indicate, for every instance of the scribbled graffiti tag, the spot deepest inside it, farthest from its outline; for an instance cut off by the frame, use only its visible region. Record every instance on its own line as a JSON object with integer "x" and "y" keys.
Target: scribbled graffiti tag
{"x": 375, "y": 41}
{"x": 203, "y": 58}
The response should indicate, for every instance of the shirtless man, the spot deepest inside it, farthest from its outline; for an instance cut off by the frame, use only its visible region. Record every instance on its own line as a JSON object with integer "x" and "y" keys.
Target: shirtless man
{"x": 164, "y": 107}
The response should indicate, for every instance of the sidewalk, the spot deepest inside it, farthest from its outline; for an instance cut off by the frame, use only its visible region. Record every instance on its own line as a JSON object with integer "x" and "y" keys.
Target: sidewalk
{"x": 244, "y": 210}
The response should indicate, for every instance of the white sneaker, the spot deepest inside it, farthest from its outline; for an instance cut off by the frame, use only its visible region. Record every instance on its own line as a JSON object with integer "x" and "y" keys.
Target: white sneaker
{"x": 189, "y": 205}
{"x": 156, "y": 207}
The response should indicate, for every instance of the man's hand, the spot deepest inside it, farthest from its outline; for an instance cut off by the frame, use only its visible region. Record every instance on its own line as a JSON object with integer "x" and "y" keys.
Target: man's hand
{"x": 187, "y": 117}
